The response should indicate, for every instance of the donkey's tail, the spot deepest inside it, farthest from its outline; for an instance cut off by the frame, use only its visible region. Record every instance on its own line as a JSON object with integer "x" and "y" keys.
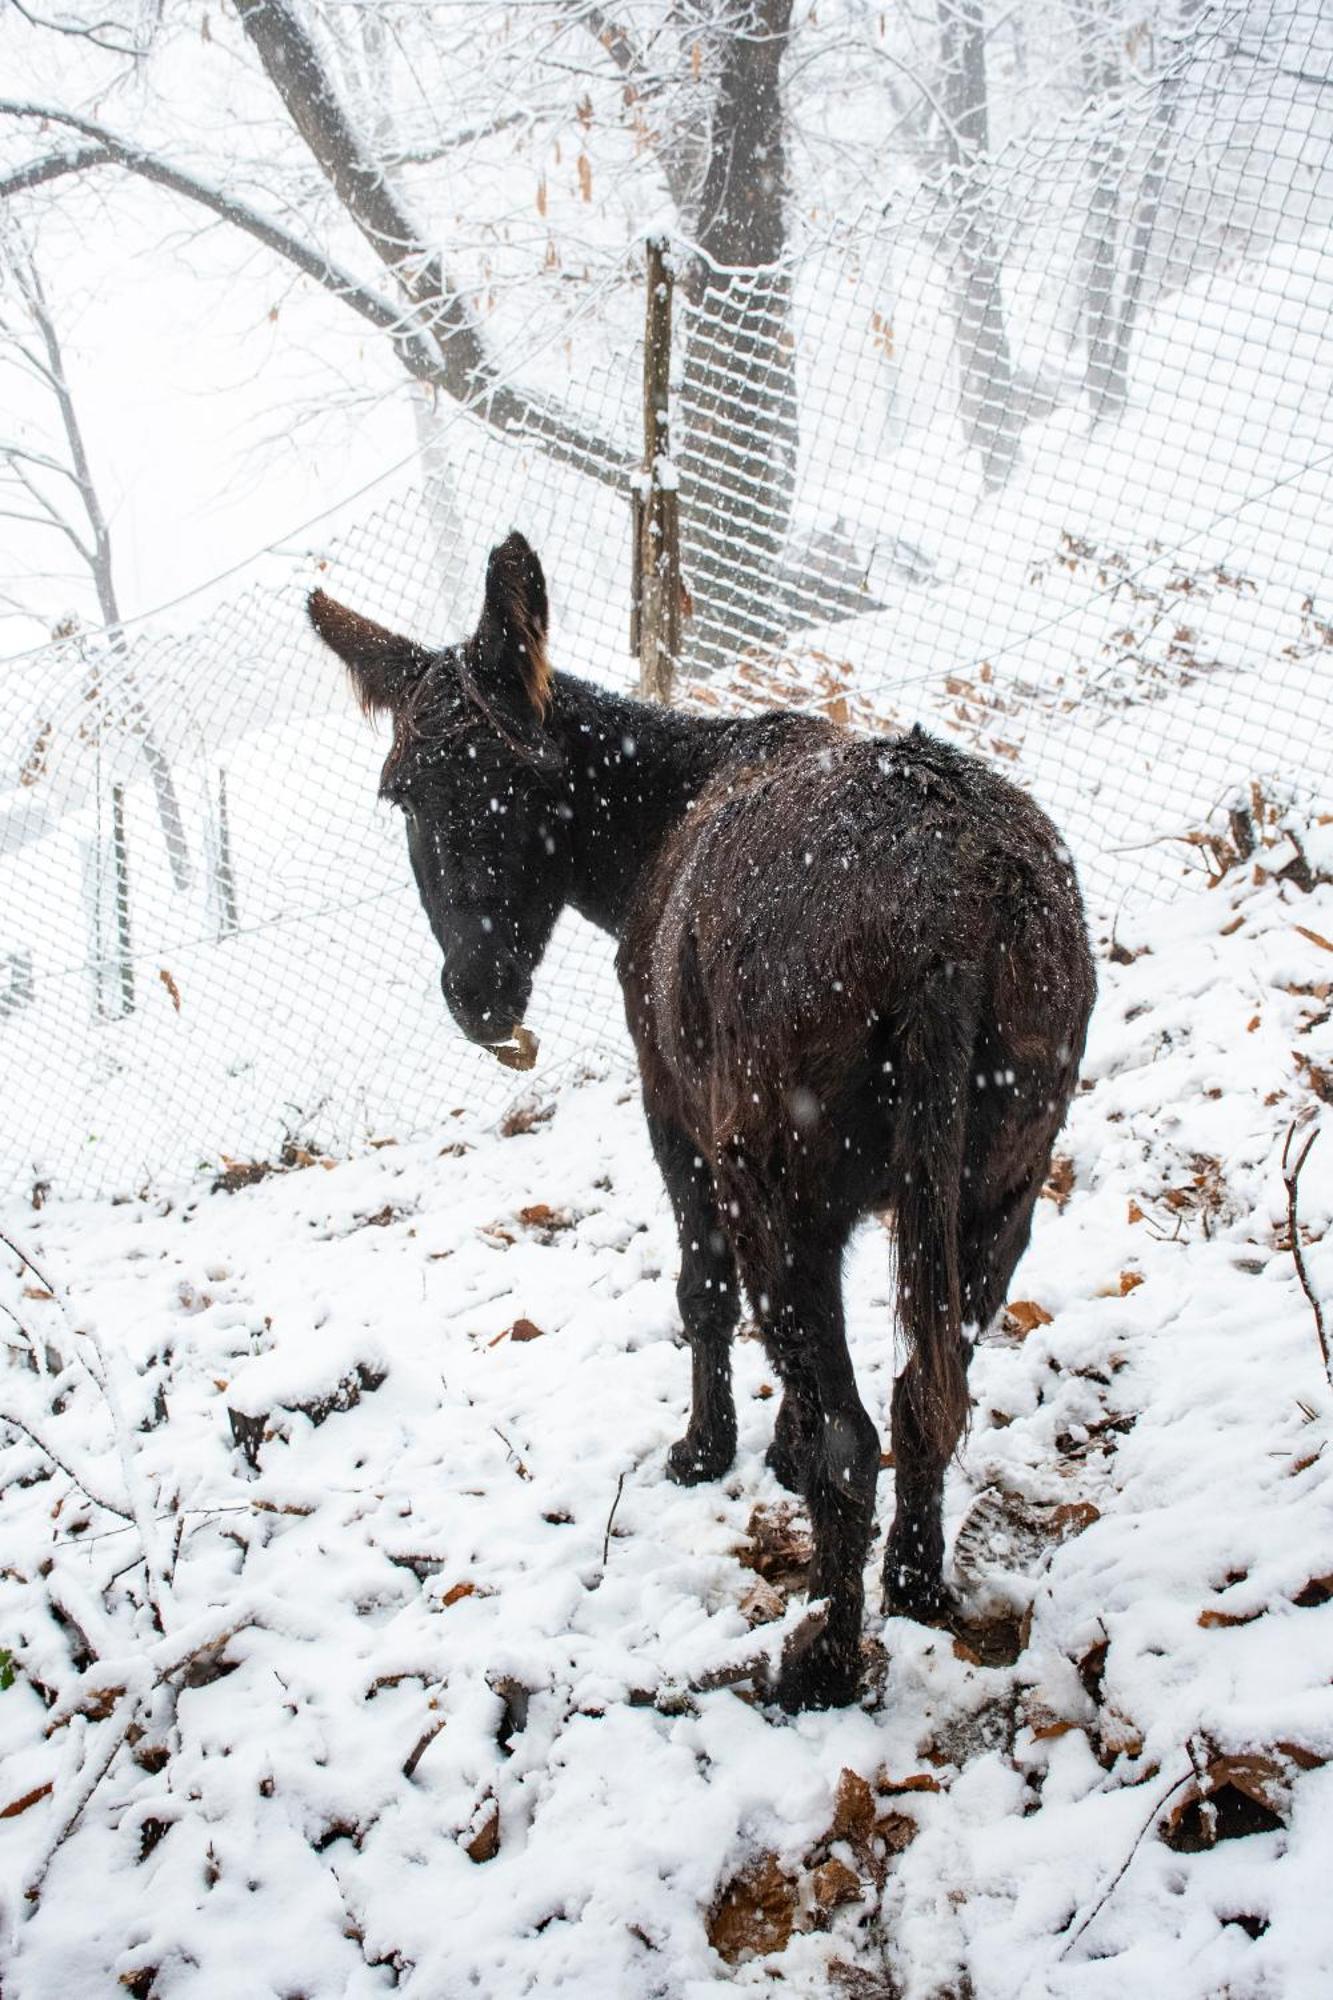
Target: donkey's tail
{"x": 933, "y": 1061}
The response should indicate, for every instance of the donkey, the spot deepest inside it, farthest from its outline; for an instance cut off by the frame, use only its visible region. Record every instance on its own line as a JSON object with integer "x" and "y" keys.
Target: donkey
{"x": 857, "y": 975}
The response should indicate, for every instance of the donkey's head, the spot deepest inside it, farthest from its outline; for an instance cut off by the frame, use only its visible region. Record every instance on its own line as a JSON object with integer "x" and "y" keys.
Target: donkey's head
{"x": 475, "y": 772}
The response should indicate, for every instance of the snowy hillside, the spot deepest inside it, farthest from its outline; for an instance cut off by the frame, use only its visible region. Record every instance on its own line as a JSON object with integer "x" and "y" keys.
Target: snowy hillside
{"x": 356, "y": 1641}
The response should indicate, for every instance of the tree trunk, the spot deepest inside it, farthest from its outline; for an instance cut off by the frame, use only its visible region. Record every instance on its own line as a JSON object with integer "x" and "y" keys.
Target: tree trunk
{"x": 99, "y": 563}
{"x": 985, "y": 367}
{"x": 1099, "y": 56}
{"x": 1116, "y": 391}
{"x": 738, "y": 397}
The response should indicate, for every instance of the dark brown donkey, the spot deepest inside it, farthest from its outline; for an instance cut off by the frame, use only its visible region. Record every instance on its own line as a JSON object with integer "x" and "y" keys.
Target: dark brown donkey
{"x": 858, "y": 979}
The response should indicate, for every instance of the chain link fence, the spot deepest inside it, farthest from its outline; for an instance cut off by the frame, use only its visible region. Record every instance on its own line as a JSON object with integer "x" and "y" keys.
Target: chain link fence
{"x": 1037, "y": 454}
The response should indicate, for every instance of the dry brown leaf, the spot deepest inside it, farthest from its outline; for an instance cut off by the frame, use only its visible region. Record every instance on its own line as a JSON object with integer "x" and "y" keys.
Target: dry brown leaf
{"x": 172, "y": 988}
{"x": 541, "y": 195}
{"x": 853, "y": 1810}
{"x": 1314, "y": 937}
{"x": 485, "y": 1843}
{"x": 755, "y": 1913}
{"x": 585, "y": 176}
{"x": 1135, "y": 1212}
{"x": 525, "y": 1329}
{"x": 1059, "y": 1181}
{"x": 1024, "y": 1315}
{"x": 761, "y": 1604}
{"x": 918, "y": 1781}
{"x": 20, "y": 1805}
{"x": 1237, "y": 1795}
{"x": 1046, "y": 1732}
{"x": 776, "y": 1548}
{"x": 834, "y": 1883}
{"x": 1214, "y": 1621}
{"x": 457, "y": 1593}
{"x": 1130, "y": 1282}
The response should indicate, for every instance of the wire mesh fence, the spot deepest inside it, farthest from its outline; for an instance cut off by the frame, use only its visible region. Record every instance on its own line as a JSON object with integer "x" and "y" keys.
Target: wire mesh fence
{"x": 1037, "y": 453}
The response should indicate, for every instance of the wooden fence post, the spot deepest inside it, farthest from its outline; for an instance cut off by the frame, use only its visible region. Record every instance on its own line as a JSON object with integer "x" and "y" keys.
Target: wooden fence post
{"x": 225, "y": 879}
{"x": 121, "y": 878}
{"x": 656, "y": 590}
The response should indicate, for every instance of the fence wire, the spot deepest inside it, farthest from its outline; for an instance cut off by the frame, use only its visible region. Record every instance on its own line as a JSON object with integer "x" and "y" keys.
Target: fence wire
{"x": 1037, "y": 453}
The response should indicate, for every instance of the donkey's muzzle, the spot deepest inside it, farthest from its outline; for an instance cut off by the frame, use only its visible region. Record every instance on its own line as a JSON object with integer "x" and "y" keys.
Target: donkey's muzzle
{"x": 486, "y": 996}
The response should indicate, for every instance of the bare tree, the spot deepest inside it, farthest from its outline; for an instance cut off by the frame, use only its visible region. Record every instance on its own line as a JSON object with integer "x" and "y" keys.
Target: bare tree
{"x": 58, "y": 494}
{"x": 705, "y": 92}
{"x": 985, "y": 366}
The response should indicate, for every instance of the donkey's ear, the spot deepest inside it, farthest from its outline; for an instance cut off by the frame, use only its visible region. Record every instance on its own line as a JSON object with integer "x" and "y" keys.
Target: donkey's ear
{"x": 384, "y": 667}
{"x": 511, "y": 638}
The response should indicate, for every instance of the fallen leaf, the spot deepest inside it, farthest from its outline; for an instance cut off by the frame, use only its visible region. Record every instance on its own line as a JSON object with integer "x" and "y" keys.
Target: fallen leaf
{"x": 755, "y": 1913}
{"x": 525, "y": 1329}
{"x": 172, "y": 988}
{"x": 1314, "y": 937}
{"x": 1135, "y": 1212}
{"x": 1130, "y": 1282}
{"x": 485, "y": 1844}
{"x": 17, "y": 1806}
{"x": 457, "y": 1593}
{"x": 853, "y": 1810}
{"x": 762, "y": 1604}
{"x": 1024, "y": 1315}
{"x": 834, "y": 1883}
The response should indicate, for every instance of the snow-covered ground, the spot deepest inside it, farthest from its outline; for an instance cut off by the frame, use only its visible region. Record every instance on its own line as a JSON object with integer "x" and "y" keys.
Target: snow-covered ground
{"x": 358, "y": 1641}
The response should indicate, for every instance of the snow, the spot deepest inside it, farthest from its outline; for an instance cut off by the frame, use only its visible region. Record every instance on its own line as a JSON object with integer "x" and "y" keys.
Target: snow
{"x": 458, "y": 1551}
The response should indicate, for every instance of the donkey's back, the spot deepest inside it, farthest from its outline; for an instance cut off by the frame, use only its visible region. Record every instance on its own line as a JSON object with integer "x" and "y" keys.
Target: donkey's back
{"x": 826, "y": 920}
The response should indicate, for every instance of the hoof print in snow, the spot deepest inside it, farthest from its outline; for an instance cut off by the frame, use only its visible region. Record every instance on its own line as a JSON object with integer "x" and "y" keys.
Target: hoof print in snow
{"x": 755, "y": 1914}
{"x": 1005, "y": 1531}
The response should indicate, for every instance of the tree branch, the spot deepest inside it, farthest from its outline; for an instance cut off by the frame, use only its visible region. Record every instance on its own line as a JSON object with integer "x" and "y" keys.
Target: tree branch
{"x": 420, "y": 347}
{"x": 1291, "y": 1176}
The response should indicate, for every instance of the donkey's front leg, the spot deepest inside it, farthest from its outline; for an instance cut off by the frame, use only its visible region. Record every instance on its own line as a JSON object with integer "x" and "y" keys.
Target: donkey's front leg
{"x": 803, "y": 1328}
{"x": 709, "y": 1308}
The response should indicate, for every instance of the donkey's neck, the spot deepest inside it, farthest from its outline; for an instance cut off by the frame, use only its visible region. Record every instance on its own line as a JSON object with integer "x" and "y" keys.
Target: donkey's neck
{"x": 630, "y": 772}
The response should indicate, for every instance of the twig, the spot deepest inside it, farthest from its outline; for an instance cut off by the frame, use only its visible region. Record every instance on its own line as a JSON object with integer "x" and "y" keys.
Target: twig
{"x": 1123, "y": 1869}
{"x": 98, "y": 1499}
{"x": 1291, "y": 1174}
{"x": 421, "y": 1746}
{"x": 519, "y": 1467}
{"x": 606, "y": 1539}
{"x": 86, "y": 1780}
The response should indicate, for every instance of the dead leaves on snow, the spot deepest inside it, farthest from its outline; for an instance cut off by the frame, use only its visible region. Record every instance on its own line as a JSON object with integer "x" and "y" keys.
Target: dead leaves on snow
{"x": 763, "y": 1904}
{"x": 1233, "y": 1795}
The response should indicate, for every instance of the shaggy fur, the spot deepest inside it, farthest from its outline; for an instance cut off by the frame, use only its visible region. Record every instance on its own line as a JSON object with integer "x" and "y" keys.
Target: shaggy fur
{"x": 857, "y": 976}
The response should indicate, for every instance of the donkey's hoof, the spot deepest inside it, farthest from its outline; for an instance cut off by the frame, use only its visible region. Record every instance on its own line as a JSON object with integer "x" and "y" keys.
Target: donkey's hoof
{"x": 787, "y": 1466}
{"x": 910, "y": 1594}
{"x": 691, "y": 1460}
{"x": 817, "y": 1674}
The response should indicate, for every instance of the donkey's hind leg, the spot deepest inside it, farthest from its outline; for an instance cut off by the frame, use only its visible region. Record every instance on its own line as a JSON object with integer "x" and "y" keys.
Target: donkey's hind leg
{"x": 799, "y": 1298}
{"x": 992, "y": 1238}
{"x": 709, "y": 1307}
